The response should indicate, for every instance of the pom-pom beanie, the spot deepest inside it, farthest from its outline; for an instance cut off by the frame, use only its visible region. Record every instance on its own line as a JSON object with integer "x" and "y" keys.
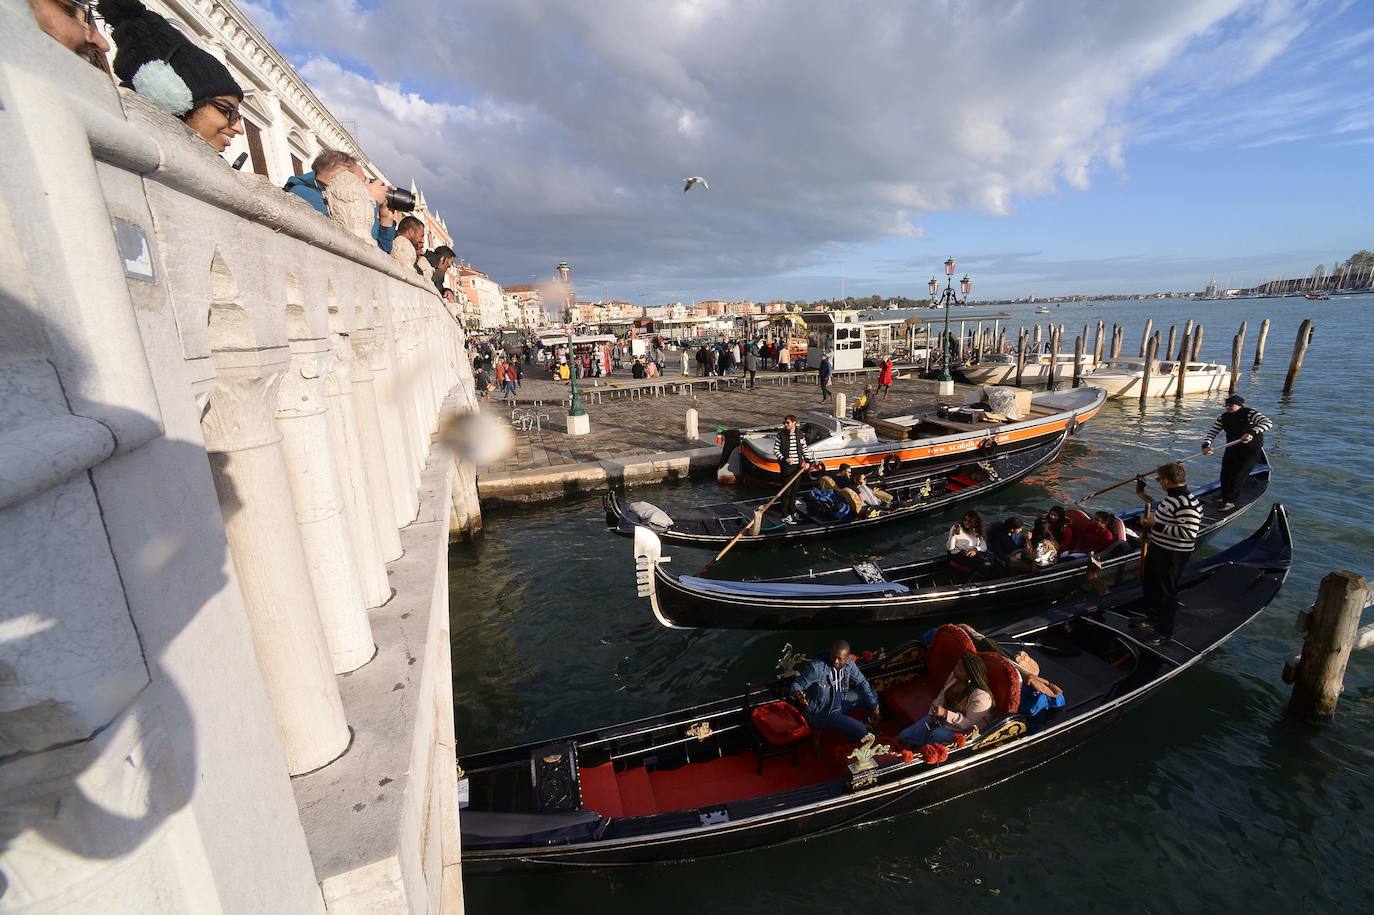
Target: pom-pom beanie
{"x": 160, "y": 63}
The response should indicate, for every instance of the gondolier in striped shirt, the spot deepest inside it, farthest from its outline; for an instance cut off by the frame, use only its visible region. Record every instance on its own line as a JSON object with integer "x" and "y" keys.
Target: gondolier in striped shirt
{"x": 1173, "y": 532}
{"x": 1247, "y": 425}
{"x": 792, "y": 455}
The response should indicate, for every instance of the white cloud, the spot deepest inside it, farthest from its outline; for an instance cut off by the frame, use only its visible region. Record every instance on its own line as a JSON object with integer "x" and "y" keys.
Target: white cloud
{"x": 556, "y": 128}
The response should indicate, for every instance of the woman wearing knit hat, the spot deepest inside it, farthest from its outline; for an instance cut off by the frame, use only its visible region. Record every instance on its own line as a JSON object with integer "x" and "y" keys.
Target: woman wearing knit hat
{"x": 165, "y": 67}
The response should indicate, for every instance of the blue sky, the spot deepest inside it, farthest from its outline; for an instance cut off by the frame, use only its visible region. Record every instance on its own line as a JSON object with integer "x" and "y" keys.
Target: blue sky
{"x": 1076, "y": 147}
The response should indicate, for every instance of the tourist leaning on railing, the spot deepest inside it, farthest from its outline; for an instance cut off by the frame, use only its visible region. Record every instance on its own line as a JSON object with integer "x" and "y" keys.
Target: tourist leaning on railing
{"x": 328, "y": 165}
{"x": 71, "y": 24}
{"x": 162, "y": 65}
{"x": 410, "y": 241}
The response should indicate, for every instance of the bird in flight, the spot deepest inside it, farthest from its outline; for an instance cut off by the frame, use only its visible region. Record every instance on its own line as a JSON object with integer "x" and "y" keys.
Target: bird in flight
{"x": 695, "y": 180}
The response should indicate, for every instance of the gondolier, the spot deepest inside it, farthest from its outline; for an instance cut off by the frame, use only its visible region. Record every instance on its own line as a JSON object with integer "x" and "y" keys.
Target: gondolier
{"x": 1247, "y": 425}
{"x": 830, "y": 687}
{"x": 1173, "y": 533}
{"x": 792, "y": 455}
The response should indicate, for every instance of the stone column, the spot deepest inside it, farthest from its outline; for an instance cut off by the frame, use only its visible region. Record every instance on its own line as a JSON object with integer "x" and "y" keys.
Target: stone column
{"x": 400, "y": 391}
{"x": 404, "y": 484}
{"x": 371, "y": 437}
{"x": 265, "y": 543}
{"x": 411, "y": 393}
{"x": 348, "y": 455}
{"x": 318, "y": 498}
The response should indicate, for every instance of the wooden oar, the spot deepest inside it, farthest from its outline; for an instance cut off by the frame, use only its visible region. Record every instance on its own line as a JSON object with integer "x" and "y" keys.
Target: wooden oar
{"x": 758, "y": 516}
{"x": 1132, "y": 479}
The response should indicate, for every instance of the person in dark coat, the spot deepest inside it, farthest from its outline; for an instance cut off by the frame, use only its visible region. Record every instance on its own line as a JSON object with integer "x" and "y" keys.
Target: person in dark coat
{"x": 826, "y": 371}
{"x": 1246, "y": 427}
{"x": 829, "y": 686}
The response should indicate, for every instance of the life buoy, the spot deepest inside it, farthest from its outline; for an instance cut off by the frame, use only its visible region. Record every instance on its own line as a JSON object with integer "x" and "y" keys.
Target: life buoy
{"x": 891, "y": 464}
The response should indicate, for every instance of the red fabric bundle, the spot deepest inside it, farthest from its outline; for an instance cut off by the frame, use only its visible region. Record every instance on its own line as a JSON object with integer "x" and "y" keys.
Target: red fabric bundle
{"x": 960, "y": 741}
{"x": 934, "y": 753}
{"x": 779, "y": 723}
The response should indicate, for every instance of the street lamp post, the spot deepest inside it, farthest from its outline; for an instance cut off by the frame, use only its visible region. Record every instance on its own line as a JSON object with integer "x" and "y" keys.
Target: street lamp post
{"x": 948, "y": 298}
{"x": 574, "y": 402}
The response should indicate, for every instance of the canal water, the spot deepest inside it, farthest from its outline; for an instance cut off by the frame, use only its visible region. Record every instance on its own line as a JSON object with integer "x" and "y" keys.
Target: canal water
{"x": 1203, "y": 798}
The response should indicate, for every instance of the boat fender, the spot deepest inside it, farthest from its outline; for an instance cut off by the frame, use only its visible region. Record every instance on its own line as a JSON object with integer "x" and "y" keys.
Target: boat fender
{"x": 988, "y": 445}
{"x": 891, "y": 464}
{"x": 1073, "y": 425}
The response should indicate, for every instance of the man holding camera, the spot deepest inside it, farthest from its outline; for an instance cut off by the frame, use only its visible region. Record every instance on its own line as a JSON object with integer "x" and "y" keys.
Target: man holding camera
{"x": 310, "y": 188}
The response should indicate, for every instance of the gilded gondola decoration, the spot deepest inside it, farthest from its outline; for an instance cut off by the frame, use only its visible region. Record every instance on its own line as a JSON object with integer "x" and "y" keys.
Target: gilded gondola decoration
{"x": 1007, "y": 730}
{"x": 701, "y": 730}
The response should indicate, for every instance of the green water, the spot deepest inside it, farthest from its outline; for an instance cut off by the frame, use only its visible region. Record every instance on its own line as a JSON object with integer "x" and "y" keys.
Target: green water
{"x": 1205, "y": 798}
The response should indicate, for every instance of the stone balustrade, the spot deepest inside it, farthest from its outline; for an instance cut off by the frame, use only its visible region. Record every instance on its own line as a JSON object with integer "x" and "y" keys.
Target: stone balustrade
{"x": 218, "y": 505}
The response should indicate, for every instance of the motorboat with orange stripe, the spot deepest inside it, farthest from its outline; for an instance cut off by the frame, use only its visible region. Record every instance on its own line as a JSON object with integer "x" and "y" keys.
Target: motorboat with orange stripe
{"x": 904, "y": 444}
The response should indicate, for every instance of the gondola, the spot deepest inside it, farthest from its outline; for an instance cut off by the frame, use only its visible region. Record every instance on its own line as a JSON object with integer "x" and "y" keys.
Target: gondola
{"x": 867, "y": 593}
{"x": 910, "y": 443}
{"x": 706, "y": 780}
{"x": 915, "y": 495}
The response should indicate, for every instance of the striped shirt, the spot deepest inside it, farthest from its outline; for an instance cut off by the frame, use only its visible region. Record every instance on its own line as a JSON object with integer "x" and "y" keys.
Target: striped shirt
{"x": 1244, "y": 420}
{"x": 1178, "y": 518}
{"x": 791, "y": 448}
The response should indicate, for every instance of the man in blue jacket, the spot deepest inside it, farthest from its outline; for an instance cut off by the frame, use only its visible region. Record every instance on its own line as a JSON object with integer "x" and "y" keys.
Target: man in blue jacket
{"x": 310, "y": 188}
{"x": 830, "y": 686}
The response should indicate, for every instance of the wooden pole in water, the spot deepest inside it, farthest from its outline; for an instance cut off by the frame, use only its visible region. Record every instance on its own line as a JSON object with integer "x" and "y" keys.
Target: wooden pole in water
{"x": 1078, "y": 359}
{"x": 1035, "y": 342}
{"x": 1145, "y": 337}
{"x": 1188, "y": 327}
{"x": 1197, "y": 343}
{"x": 1237, "y": 344}
{"x": 1181, "y": 364}
{"x": 1299, "y": 353}
{"x": 1259, "y": 342}
{"x": 1169, "y": 350}
{"x": 1331, "y": 626}
{"x": 1116, "y": 342}
{"x": 1097, "y": 342}
{"x": 1002, "y": 340}
{"x": 1020, "y": 356}
{"x": 1054, "y": 358}
{"x": 1150, "y": 352}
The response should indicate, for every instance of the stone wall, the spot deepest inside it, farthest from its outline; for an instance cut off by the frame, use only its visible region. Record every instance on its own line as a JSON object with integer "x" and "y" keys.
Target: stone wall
{"x": 217, "y": 515}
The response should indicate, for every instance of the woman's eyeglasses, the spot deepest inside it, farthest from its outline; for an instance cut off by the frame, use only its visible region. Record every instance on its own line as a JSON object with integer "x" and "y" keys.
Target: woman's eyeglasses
{"x": 82, "y": 11}
{"x": 231, "y": 112}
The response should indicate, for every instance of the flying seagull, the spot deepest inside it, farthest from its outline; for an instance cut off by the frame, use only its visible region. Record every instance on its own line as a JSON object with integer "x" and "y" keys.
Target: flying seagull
{"x": 694, "y": 180}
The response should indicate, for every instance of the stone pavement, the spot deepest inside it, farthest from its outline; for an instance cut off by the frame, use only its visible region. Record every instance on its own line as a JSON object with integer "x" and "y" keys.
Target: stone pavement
{"x": 626, "y": 426}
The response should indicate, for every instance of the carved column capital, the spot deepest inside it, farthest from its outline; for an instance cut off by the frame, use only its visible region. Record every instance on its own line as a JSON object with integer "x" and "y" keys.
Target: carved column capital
{"x": 302, "y": 386}
{"x": 242, "y": 413}
{"x": 339, "y": 379}
{"x": 365, "y": 346}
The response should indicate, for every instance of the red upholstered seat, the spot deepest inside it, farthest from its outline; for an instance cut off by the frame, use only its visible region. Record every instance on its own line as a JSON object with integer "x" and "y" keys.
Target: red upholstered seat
{"x": 910, "y": 701}
{"x": 1118, "y": 529}
{"x": 1005, "y": 679}
{"x": 780, "y": 723}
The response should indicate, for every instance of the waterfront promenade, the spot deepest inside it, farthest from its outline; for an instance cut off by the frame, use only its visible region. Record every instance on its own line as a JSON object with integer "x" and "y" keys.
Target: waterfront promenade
{"x": 638, "y": 434}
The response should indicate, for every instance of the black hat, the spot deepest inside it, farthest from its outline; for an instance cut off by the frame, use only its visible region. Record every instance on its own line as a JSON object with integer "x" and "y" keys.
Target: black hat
{"x": 1235, "y": 399}
{"x": 160, "y": 63}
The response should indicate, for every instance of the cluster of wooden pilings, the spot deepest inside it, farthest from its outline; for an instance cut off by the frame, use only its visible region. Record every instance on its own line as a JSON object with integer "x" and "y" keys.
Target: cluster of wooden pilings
{"x": 1189, "y": 349}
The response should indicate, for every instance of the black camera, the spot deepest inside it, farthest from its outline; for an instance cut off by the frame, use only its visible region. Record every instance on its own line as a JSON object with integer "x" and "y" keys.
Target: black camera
{"x": 400, "y": 200}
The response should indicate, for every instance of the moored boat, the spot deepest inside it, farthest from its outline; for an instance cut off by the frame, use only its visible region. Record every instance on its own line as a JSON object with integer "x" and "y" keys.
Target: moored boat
{"x": 1123, "y": 376}
{"x": 1000, "y": 368}
{"x": 931, "y": 489}
{"x": 906, "y": 444}
{"x": 708, "y": 780}
{"x": 868, "y": 593}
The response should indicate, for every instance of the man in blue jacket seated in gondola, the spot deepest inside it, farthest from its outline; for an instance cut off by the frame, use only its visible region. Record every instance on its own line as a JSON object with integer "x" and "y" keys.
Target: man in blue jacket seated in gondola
{"x": 831, "y": 685}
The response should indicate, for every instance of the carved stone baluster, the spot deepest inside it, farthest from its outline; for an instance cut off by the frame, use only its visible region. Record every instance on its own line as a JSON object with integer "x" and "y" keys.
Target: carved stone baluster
{"x": 404, "y": 483}
{"x": 319, "y": 502}
{"x": 370, "y": 437}
{"x": 348, "y": 454}
{"x": 265, "y": 542}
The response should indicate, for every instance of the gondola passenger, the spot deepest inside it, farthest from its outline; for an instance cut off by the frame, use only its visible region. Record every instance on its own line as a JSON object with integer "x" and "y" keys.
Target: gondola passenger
{"x": 1098, "y": 536}
{"x": 829, "y": 687}
{"x": 963, "y": 704}
{"x": 967, "y": 547}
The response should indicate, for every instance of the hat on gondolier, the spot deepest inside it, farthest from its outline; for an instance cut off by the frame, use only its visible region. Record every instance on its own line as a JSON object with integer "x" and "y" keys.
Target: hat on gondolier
{"x": 160, "y": 63}
{"x": 1235, "y": 399}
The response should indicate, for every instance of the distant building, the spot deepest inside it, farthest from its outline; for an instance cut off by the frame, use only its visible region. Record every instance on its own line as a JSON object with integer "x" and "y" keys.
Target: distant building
{"x": 487, "y": 309}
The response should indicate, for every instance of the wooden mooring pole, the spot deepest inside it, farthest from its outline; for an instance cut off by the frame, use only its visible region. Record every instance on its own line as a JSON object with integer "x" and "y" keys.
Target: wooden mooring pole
{"x": 1332, "y": 632}
{"x": 1116, "y": 341}
{"x": 1259, "y": 342}
{"x": 1299, "y": 353}
{"x": 1097, "y": 342}
{"x": 1078, "y": 358}
{"x": 1145, "y": 337}
{"x": 1054, "y": 358}
{"x": 1169, "y": 350}
{"x": 1020, "y": 357}
{"x": 1197, "y": 343}
{"x": 1237, "y": 344}
{"x": 1181, "y": 365}
{"x": 1151, "y": 351}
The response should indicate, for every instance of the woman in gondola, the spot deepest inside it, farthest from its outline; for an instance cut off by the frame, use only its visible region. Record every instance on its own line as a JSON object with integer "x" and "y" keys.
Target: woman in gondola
{"x": 965, "y": 703}
{"x": 968, "y": 547}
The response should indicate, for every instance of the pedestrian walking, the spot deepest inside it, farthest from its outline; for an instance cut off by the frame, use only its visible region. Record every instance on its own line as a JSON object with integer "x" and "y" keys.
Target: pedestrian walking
{"x": 885, "y": 376}
{"x": 823, "y": 376}
{"x": 751, "y": 369}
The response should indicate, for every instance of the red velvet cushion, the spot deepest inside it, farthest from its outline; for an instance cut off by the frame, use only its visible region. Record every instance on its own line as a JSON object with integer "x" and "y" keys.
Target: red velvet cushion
{"x": 947, "y": 646}
{"x": 1005, "y": 679}
{"x": 780, "y": 723}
